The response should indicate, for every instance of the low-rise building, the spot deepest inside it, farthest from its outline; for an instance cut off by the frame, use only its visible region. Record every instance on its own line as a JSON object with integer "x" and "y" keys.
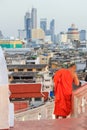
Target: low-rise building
{"x": 25, "y": 73}
{"x": 27, "y": 95}
{"x": 11, "y": 43}
{"x": 38, "y": 34}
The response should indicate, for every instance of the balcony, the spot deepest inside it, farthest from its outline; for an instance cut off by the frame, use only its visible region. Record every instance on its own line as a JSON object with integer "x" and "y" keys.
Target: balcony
{"x": 77, "y": 120}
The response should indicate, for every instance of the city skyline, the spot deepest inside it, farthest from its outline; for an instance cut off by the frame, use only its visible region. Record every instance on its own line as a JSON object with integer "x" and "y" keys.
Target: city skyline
{"x": 65, "y": 13}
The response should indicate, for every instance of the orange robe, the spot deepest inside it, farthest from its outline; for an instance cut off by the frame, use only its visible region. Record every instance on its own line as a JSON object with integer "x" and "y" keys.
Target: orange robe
{"x": 63, "y": 80}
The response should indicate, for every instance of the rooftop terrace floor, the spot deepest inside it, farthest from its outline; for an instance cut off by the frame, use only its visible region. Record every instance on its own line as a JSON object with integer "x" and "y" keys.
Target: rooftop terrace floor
{"x": 54, "y": 124}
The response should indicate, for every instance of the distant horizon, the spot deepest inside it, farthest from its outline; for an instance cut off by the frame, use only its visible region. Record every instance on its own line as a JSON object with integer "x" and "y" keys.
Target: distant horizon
{"x": 65, "y": 13}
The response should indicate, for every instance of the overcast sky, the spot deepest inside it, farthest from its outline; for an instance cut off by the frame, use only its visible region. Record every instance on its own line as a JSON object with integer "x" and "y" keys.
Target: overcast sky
{"x": 65, "y": 12}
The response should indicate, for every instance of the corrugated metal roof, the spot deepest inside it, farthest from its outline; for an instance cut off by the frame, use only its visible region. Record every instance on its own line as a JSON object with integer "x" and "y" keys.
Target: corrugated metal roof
{"x": 26, "y": 66}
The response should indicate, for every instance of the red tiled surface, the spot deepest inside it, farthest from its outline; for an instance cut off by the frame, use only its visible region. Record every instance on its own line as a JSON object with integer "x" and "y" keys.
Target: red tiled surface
{"x": 27, "y": 91}
{"x": 16, "y": 88}
{"x": 20, "y": 105}
{"x": 56, "y": 124}
{"x": 26, "y": 95}
{"x": 29, "y": 95}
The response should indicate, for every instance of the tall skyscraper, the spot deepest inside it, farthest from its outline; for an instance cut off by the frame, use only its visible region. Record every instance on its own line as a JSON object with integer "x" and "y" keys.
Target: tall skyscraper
{"x": 28, "y": 25}
{"x": 82, "y": 35}
{"x": 34, "y": 18}
{"x": 52, "y": 29}
{"x": 43, "y": 24}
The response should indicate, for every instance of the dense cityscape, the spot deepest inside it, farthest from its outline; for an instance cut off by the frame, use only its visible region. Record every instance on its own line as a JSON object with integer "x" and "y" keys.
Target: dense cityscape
{"x": 32, "y": 60}
{"x": 33, "y": 32}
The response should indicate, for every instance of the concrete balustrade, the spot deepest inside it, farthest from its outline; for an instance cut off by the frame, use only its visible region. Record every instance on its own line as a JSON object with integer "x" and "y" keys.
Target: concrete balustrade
{"x": 44, "y": 111}
{"x": 79, "y": 107}
{"x": 80, "y": 101}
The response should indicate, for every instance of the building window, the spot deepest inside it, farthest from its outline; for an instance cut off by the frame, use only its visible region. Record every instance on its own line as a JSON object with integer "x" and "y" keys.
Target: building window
{"x": 47, "y": 80}
{"x": 47, "y": 86}
{"x": 37, "y": 99}
{"x": 20, "y": 70}
{"x": 29, "y": 69}
{"x": 11, "y": 70}
{"x": 39, "y": 69}
{"x": 16, "y": 77}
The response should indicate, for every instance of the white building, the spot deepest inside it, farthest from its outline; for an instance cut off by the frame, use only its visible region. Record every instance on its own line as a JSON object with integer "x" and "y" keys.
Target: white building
{"x": 33, "y": 61}
{"x": 62, "y": 37}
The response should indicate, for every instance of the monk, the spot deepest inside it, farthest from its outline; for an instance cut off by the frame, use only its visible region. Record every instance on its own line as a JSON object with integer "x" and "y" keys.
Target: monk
{"x": 63, "y": 80}
{"x": 4, "y": 94}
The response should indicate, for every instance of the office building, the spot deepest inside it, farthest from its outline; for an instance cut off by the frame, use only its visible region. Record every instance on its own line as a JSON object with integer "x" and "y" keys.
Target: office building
{"x": 28, "y": 25}
{"x": 43, "y": 24}
{"x": 11, "y": 43}
{"x": 38, "y": 34}
{"x": 34, "y": 18}
{"x": 62, "y": 37}
{"x": 82, "y": 35}
{"x": 52, "y": 29}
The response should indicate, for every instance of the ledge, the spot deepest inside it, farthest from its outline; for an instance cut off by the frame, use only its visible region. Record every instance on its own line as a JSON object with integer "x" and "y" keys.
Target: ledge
{"x": 54, "y": 124}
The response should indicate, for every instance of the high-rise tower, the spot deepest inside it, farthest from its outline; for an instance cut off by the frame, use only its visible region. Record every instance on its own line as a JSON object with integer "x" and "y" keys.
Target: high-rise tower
{"x": 83, "y": 35}
{"x": 28, "y": 25}
{"x": 34, "y": 18}
{"x": 52, "y": 29}
{"x": 43, "y": 24}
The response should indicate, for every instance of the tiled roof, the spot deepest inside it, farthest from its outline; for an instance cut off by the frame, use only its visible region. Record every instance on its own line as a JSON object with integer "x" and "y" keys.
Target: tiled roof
{"x": 20, "y": 105}
{"x": 25, "y": 88}
{"x": 27, "y": 91}
{"x": 26, "y": 95}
